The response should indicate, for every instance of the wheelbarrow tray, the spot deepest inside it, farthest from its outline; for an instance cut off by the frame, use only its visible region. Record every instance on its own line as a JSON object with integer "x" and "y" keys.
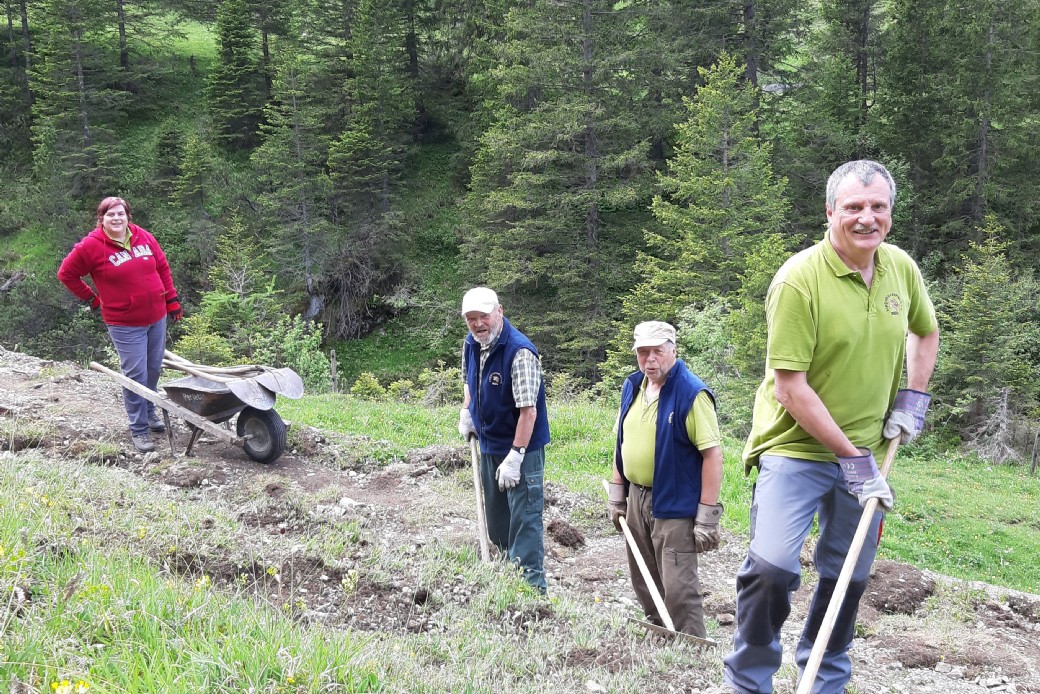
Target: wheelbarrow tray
{"x": 204, "y": 397}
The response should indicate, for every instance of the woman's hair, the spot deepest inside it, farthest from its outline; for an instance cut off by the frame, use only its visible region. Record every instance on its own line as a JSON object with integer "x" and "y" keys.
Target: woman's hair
{"x": 110, "y": 202}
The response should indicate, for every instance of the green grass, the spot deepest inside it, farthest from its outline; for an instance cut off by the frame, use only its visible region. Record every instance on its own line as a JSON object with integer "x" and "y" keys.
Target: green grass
{"x": 965, "y": 518}
{"x": 84, "y": 599}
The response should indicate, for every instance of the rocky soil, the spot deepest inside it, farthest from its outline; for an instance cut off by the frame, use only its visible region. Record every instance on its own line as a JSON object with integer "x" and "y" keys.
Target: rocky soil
{"x": 917, "y": 631}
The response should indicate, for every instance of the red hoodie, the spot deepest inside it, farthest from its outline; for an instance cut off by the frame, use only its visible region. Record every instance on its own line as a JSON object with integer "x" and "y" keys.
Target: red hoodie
{"x": 133, "y": 285}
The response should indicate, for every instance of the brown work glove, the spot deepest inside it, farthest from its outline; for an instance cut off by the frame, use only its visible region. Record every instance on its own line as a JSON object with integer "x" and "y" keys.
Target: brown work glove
{"x": 706, "y": 527}
{"x": 617, "y": 507}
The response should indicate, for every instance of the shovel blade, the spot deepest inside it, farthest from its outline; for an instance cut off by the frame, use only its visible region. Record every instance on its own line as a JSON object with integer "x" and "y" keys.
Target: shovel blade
{"x": 283, "y": 381}
{"x": 661, "y": 631}
{"x": 252, "y": 393}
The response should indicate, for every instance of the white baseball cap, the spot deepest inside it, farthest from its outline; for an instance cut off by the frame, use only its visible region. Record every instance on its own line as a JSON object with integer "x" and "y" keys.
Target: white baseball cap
{"x": 652, "y": 333}
{"x": 480, "y": 299}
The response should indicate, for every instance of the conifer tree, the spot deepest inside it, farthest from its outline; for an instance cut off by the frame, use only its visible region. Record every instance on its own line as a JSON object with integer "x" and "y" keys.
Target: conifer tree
{"x": 294, "y": 187}
{"x": 720, "y": 200}
{"x": 73, "y": 103}
{"x": 985, "y": 386}
{"x": 563, "y": 161}
{"x": 959, "y": 102}
{"x": 235, "y": 89}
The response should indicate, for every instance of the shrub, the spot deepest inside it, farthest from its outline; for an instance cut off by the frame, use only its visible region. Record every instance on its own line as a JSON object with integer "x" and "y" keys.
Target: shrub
{"x": 367, "y": 387}
{"x": 296, "y": 343}
{"x": 402, "y": 390}
{"x": 564, "y": 387}
{"x": 441, "y": 386}
{"x": 201, "y": 345}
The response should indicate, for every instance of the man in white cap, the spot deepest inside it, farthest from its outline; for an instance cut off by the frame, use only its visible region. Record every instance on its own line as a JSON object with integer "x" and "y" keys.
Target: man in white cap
{"x": 667, "y": 475}
{"x": 504, "y": 407}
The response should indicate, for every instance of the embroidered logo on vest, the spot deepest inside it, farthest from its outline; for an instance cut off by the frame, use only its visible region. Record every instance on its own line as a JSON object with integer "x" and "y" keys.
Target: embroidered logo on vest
{"x": 495, "y": 379}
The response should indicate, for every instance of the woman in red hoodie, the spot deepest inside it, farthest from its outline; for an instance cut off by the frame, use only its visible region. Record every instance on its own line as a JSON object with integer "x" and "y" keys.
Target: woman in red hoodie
{"x": 134, "y": 290}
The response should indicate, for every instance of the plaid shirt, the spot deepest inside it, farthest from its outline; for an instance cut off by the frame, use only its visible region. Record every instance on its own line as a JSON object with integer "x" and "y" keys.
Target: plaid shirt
{"x": 526, "y": 373}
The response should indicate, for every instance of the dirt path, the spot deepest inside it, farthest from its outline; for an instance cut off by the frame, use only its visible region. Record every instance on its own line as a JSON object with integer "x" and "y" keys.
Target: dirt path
{"x": 909, "y": 637}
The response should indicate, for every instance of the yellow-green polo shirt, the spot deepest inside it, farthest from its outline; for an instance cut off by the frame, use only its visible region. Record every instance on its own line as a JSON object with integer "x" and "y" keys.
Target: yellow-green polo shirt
{"x": 850, "y": 341}
{"x": 640, "y": 428}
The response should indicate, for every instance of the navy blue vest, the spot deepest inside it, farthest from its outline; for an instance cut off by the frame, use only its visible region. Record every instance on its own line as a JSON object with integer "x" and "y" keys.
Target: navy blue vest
{"x": 677, "y": 462}
{"x": 491, "y": 404}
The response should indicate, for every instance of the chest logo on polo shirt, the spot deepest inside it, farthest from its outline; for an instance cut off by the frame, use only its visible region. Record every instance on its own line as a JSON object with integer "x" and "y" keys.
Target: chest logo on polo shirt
{"x": 893, "y": 304}
{"x": 495, "y": 379}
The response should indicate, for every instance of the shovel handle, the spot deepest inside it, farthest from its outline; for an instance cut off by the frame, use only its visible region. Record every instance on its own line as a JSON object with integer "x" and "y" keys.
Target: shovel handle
{"x": 830, "y": 618}
{"x": 648, "y": 579}
{"x": 478, "y": 487}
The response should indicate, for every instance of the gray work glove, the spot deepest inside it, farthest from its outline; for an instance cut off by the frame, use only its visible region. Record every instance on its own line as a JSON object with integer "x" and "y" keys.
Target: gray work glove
{"x": 863, "y": 479}
{"x": 706, "y": 527}
{"x": 907, "y": 417}
{"x": 466, "y": 427}
{"x": 617, "y": 507}
{"x": 508, "y": 473}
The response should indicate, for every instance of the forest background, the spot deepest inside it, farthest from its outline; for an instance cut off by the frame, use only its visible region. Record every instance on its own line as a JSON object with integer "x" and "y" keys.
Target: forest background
{"x": 333, "y": 175}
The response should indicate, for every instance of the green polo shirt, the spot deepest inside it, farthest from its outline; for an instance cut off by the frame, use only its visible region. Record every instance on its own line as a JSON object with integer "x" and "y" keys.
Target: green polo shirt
{"x": 850, "y": 341}
{"x": 640, "y": 440}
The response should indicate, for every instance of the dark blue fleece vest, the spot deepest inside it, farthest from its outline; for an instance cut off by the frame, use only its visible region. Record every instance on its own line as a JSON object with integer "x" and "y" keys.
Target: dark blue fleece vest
{"x": 491, "y": 401}
{"x": 677, "y": 462}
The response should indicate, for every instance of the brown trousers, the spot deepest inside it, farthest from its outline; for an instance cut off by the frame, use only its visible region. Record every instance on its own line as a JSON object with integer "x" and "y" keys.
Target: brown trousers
{"x": 668, "y": 549}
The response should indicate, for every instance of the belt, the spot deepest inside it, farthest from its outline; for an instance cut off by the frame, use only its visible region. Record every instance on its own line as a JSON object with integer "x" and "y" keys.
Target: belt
{"x": 640, "y": 486}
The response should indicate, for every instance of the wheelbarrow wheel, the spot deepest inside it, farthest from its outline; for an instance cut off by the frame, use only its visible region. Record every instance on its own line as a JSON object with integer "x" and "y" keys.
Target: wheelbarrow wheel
{"x": 266, "y": 431}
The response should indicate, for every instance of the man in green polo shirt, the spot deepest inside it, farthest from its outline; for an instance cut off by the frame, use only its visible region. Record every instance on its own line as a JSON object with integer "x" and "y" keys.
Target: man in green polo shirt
{"x": 667, "y": 475}
{"x": 842, "y": 318}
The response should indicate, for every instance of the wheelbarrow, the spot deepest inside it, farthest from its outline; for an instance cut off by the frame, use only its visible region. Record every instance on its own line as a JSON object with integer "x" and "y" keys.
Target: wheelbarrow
{"x": 210, "y": 396}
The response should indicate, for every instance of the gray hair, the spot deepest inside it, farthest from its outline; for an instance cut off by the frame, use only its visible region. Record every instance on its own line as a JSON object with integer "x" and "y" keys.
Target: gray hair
{"x": 864, "y": 170}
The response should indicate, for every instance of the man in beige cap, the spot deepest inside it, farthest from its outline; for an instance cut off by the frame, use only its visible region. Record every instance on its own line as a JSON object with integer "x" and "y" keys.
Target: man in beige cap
{"x": 504, "y": 407}
{"x": 667, "y": 475}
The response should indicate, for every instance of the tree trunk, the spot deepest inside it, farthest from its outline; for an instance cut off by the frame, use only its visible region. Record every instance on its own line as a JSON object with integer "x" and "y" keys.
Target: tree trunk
{"x": 592, "y": 221}
{"x": 26, "y": 43}
{"x": 12, "y": 53}
{"x": 978, "y": 203}
{"x": 124, "y": 54}
{"x": 265, "y": 47}
{"x": 81, "y": 85}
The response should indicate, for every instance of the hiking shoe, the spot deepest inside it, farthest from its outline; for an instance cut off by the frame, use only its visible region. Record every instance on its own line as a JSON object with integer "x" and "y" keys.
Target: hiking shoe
{"x": 143, "y": 443}
{"x": 155, "y": 422}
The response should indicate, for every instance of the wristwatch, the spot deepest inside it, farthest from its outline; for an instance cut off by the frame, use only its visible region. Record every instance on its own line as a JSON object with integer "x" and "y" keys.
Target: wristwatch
{"x": 522, "y": 450}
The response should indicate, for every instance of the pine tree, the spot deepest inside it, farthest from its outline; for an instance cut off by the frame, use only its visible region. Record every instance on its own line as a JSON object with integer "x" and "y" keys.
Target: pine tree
{"x": 235, "y": 89}
{"x": 720, "y": 201}
{"x": 294, "y": 187}
{"x": 958, "y": 102}
{"x": 74, "y": 106}
{"x": 985, "y": 386}
{"x": 564, "y": 161}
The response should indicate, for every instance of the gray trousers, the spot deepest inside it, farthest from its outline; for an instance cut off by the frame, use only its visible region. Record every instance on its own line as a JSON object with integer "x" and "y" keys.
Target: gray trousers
{"x": 789, "y": 493}
{"x": 668, "y": 549}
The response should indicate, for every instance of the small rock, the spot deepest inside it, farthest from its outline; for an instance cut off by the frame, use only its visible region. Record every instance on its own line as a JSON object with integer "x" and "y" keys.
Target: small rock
{"x": 591, "y": 686}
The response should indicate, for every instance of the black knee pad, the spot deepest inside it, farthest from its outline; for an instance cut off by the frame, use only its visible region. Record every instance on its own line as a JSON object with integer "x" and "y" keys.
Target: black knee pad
{"x": 845, "y": 626}
{"x": 763, "y": 600}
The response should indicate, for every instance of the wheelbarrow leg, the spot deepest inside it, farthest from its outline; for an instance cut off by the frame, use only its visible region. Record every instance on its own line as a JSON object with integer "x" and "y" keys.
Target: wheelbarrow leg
{"x": 196, "y": 432}
{"x": 169, "y": 429}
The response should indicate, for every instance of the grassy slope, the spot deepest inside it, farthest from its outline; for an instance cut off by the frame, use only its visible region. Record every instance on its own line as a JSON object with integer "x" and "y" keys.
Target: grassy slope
{"x": 88, "y": 591}
{"x": 430, "y": 330}
{"x": 954, "y": 515}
